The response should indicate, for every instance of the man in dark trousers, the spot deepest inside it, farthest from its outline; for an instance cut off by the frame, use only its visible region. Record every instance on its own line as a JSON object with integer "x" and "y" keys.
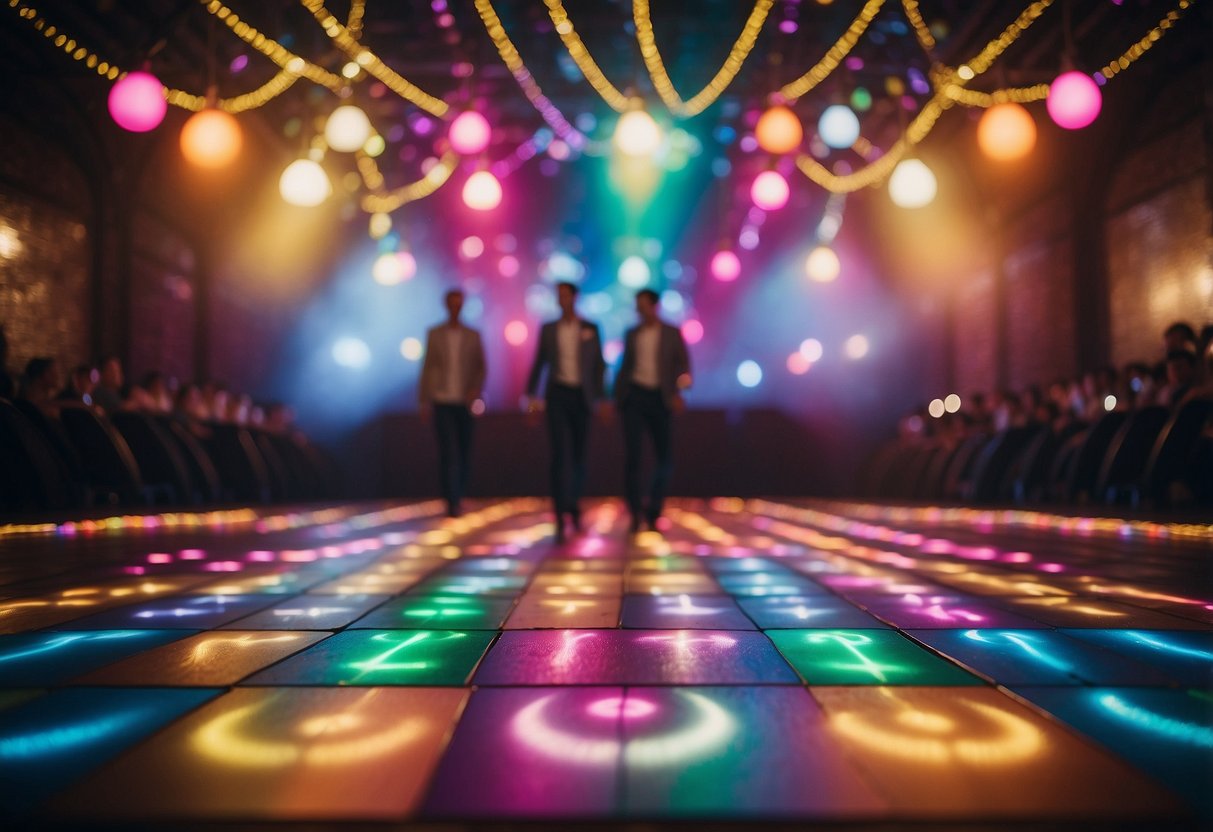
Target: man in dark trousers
{"x": 452, "y": 378}
{"x": 656, "y": 369}
{"x": 570, "y": 348}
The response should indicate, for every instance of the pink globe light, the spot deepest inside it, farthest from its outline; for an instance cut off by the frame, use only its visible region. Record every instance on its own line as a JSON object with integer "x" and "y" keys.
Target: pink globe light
{"x": 1074, "y": 100}
{"x": 692, "y": 331}
{"x": 469, "y": 133}
{"x": 482, "y": 191}
{"x": 769, "y": 191}
{"x": 137, "y": 102}
{"x": 798, "y": 365}
{"x": 725, "y": 266}
{"x": 515, "y": 333}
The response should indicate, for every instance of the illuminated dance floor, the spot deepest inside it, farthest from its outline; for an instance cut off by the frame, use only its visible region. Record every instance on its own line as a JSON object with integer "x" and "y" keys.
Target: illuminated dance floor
{"x": 778, "y": 661}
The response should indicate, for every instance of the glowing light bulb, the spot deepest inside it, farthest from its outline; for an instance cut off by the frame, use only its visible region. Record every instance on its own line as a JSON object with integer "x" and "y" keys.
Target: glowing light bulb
{"x": 482, "y": 191}
{"x": 725, "y": 266}
{"x": 951, "y": 403}
{"x": 838, "y": 126}
{"x": 778, "y": 130}
{"x": 515, "y": 333}
{"x": 822, "y": 265}
{"x": 1006, "y": 132}
{"x": 393, "y": 267}
{"x": 137, "y": 103}
{"x": 637, "y": 134}
{"x": 470, "y": 133}
{"x": 304, "y": 183}
{"x": 634, "y": 272}
{"x": 749, "y": 374}
{"x": 912, "y": 184}
{"x": 211, "y": 139}
{"x": 347, "y": 129}
{"x": 936, "y": 408}
{"x": 770, "y": 190}
{"x": 1074, "y": 100}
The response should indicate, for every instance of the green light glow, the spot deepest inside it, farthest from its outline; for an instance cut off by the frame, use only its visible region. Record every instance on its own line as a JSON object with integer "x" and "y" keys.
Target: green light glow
{"x": 864, "y": 657}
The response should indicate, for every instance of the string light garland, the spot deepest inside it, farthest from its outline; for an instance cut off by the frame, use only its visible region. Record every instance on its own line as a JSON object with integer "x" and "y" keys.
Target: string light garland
{"x": 525, "y": 80}
{"x": 615, "y": 99}
{"x": 269, "y": 47}
{"x": 70, "y": 45}
{"x": 386, "y": 203}
{"x": 720, "y": 81}
{"x": 353, "y": 23}
{"x": 368, "y": 60}
{"x": 1141, "y": 47}
{"x": 834, "y": 55}
{"x": 921, "y": 31}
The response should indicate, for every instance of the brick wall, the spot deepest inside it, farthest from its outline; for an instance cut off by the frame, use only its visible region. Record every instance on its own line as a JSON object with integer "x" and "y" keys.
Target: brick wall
{"x": 975, "y": 340}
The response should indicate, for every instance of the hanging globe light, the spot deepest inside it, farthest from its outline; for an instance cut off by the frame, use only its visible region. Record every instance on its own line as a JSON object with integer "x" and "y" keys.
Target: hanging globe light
{"x": 634, "y": 272}
{"x": 304, "y": 183}
{"x": 838, "y": 126}
{"x": 482, "y": 191}
{"x": 770, "y": 190}
{"x": 1074, "y": 100}
{"x": 778, "y": 130}
{"x": 136, "y": 102}
{"x": 211, "y": 138}
{"x": 823, "y": 265}
{"x": 347, "y": 129}
{"x": 912, "y": 184}
{"x": 1006, "y": 132}
{"x": 725, "y": 266}
{"x": 637, "y": 134}
{"x": 469, "y": 133}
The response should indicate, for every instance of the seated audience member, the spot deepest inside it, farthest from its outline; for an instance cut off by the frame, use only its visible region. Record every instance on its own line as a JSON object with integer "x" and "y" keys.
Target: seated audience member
{"x": 1181, "y": 377}
{"x": 1138, "y": 384}
{"x": 279, "y": 418}
{"x": 8, "y": 385}
{"x": 40, "y": 384}
{"x": 189, "y": 409}
{"x": 215, "y": 396}
{"x": 1179, "y": 336}
{"x": 159, "y": 392}
{"x": 108, "y": 393}
{"x": 80, "y": 385}
{"x": 238, "y": 409}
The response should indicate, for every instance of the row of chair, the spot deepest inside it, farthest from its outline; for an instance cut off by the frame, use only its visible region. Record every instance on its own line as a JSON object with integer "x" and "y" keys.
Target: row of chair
{"x": 1146, "y": 458}
{"x": 83, "y": 459}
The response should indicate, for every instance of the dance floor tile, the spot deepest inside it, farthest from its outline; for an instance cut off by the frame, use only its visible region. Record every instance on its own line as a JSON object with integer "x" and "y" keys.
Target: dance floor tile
{"x": 1043, "y": 657}
{"x": 438, "y": 612}
{"x": 304, "y": 754}
{"x": 693, "y": 612}
{"x": 309, "y": 612}
{"x": 947, "y": 612}
{"x": 383, "y": 657}
{"x": 499, "y": 586}
{"x": 636, "y": 657}
{"x": 552, "y": 612}
{"x": 1095, "y": 613}
{"x": 532, "y": 753}
{"x": 734, "y": 752}
{"x": 1185, "y": 656}
{"x": 190, "y": 612}
{"x": 50, "y": 742}
{"x": 53, "y": 657}
{"x": 794, "y": 612}
{"x": 1168, "y": 733}
{"x": 865, "y": 657}
{"x": 218, "y": 658}
{"x": 669, "y": 583}
{"x": 974, "y": 752}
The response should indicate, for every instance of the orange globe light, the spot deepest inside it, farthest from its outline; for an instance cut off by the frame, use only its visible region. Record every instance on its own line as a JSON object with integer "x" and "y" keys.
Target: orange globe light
{"x": 211, "y": 139}
{"x": 778, "y": 130}
{"x": 1006, "y": 132}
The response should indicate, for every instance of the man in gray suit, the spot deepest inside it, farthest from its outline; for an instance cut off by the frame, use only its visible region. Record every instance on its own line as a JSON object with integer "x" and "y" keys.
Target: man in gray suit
{"x": 452, "y": 378}
{"x": 656, "y": 369}
{"x": 570, "y": 348}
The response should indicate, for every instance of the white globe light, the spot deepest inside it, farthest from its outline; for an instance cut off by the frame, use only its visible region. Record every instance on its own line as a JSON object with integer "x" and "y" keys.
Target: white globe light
{"x": 394, "y": 267}
{"x": 304, "y": 183}
{"x": 838, "y": 126}
{"x": 770, "y": 190}
{"x": 634, "y": 272}
{"x": 912, "y": 184}
{"x": 749, "y": 374}
{"x": 812, "y": 350}
{"x": 411, "y": 349}
{"x": 482, "y": 191}
{"x": 347, "y": 129}
{"x": 823, "y": 265}
{"x": 856, "y": 347}
{"x": 469, "y": 133}
{"x": 637, "y": 134}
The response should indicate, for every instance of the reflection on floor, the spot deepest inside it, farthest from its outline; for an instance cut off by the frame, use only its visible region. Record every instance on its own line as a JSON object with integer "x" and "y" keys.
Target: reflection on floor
{"x": 756, "y": 661}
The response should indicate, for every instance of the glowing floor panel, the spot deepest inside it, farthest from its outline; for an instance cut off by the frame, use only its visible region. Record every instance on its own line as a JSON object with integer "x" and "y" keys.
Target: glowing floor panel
{"x": 787, "y": 662}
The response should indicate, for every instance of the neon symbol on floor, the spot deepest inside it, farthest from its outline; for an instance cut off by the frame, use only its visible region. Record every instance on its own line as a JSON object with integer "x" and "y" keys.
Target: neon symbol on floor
{"x": 851, "y": 642}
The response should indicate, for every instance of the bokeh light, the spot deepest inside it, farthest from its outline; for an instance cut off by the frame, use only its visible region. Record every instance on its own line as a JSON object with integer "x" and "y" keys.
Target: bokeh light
{"x": 692, "y": 331}
{"x": 412, "y": 349}
{"x": 637, "y": 134}
{"x": 516, "y": 333}
{"x": 471, "y": 247}
{"x": 823, "y": 265}
{"x": 393, "y": 267}
{"x": 798, "y": 365}
{"x": 482, "y": 191}
{"x": 912, "y": 184}
{"x": 137, "y": 103}
{"x": 211, "y": 139}
{"x": 304, "y": 183}
{"x": 951, "y": 403}
{"x": 812, "y": 350}
{"x": 634, "y": 272}
{"x": 351, "y": 353}
{"x": 778, "y": 130}
{"x": 347, "y": 129}
{"x": 470, "y": 133}
{"x": 725, "y": 266}
{"x": 1006, "y": 132}
{"x": 1074, "y": 100}
{"x": 770, "y": 190}
{"x": 936, "y": 408}
{"x": 380, "y": 225}
{"x": 838, "y": 126}
{"x": 856, "y": 347}
{"x": 749, "y": 374}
